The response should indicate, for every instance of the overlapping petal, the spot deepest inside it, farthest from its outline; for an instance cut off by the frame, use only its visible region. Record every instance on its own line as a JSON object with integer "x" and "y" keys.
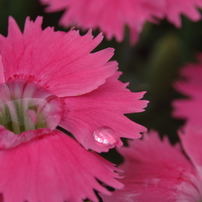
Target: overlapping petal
{"x": 156, "y": 171}
{"x": 49, "y": 167}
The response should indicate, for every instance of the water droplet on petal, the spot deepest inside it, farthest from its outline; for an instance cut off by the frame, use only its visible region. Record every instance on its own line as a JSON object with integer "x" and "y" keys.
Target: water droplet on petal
{"x": 105, "y": 135}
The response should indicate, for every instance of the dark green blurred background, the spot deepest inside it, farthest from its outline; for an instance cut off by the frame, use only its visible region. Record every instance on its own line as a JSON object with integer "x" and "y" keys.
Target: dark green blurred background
{"x": 151, "y": 65}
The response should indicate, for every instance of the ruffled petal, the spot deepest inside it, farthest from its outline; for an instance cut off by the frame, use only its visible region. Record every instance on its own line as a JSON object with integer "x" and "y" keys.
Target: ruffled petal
{"x": 103, "y": 107}
{"x": 155, "y": 171}
{"x": 84, "y": 124}
{"x": 59, "y": 61}
{"x": 113, "y": 95}
{"x": 53, "y": 168}
{"x": 174, "y": 9}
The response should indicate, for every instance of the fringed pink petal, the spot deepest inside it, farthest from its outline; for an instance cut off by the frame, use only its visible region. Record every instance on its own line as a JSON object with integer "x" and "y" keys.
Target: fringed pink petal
{"x": 113, "y": 95}
{"x": 53, "y": 168}
{"x": 85, "y": 124}
{"x": 174, "y": 9}
{"x": 155, "y": 171}
{"x": 59, "y": 61}
{"x": 103, "y": 107}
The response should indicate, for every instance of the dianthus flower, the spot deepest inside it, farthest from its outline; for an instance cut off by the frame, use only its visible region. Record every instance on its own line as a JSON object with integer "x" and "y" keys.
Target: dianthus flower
{"x": 110, "y": 16}
{"x": 156, "y": 171}
{"x": 191, "y": 86}
{"x": 51, "y": 80}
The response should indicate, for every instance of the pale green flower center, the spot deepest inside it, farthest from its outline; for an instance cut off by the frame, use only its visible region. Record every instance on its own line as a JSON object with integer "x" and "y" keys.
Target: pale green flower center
{"x": 25, "y": 106}
{"x": 20, "y": 115}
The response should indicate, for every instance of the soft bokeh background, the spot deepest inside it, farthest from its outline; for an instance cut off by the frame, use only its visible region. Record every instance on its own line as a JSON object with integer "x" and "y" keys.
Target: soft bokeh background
{"x": 151, "y": 65}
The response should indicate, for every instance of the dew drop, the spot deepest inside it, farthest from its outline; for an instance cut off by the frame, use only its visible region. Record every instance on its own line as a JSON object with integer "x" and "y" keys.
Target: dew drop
{"x": 105, "y": 135}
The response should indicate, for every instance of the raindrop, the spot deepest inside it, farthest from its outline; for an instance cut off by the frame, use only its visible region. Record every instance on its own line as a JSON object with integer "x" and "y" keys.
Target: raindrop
{"x": 105, "y": 135}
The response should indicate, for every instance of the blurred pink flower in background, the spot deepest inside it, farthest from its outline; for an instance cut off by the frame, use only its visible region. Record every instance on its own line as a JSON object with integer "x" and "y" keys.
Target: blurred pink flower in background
{"x": 156, "y": 171}
{"x": 110, "y": 16}
{"x": 190, "y": 85}
{"x": 50, "y": 79}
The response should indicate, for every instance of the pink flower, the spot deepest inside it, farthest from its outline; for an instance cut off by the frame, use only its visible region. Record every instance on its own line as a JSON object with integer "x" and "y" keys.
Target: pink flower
{"x": 51, "y": 80}
{"x": 110, "y": 16}
{"x": 156, "y": 171}
{"x": 174, "y": 9}
{"x": 191, "y": 86}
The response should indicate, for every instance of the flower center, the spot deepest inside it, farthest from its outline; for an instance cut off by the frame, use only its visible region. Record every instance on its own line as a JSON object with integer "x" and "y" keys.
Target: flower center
{"x": 25, "y": 106}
